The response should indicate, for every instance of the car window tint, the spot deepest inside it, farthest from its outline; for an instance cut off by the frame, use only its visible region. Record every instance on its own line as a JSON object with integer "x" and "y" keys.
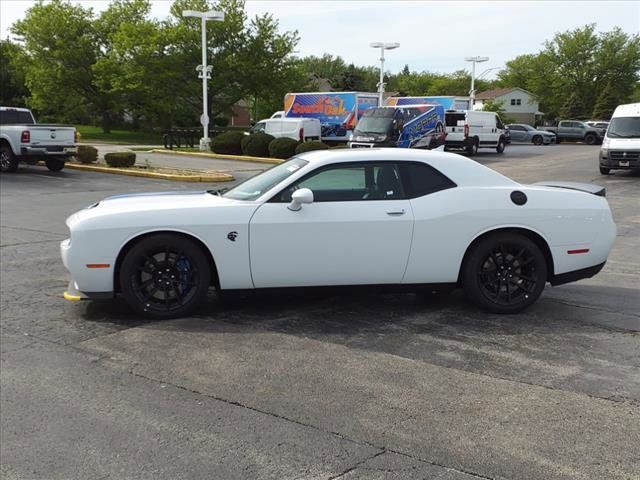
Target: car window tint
{"x": 8, "y": 117}
{"x": 419, "y": 179}
{"x": 350, "y": 183}
{"x": 25, "y": 118}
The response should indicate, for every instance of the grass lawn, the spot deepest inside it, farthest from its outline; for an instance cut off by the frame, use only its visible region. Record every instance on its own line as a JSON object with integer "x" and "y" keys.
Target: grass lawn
{"x": 89, "y": 133}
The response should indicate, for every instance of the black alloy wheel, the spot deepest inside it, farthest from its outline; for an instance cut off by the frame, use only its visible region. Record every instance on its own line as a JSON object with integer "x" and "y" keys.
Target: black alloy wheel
{"x": 505, "y": 273}
{"x": 54, "y": 164}
{"x": 537, "y": 140}
{"x": 8, "y": 161}
{"x": 165, "y": 276}
{"x": 590, "y": 139}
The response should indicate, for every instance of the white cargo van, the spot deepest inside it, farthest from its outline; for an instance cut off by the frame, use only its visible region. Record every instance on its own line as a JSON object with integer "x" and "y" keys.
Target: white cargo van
{"x": 621, "y": 144}
{"x": 300, "y": 129}
{"x": 470, "y": 130}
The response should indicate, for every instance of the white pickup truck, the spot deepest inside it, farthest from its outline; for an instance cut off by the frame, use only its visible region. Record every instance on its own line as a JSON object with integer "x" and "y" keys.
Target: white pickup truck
{"x": 24, "y": 140}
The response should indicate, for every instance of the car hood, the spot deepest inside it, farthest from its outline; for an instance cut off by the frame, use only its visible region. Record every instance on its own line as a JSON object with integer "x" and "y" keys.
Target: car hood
{"x": 167, "y": 207}
{"x": 621, "y": 143}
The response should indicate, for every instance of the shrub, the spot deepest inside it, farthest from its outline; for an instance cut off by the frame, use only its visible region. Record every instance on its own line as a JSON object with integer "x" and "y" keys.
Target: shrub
{"x": 87, "y": 154}
{"x": 120, "y": 159}
{"x": 312, "y": 145}
{"x": 257, "y": 144}
{"x": 228, "y": 143}
{"x": 282, "y": 147}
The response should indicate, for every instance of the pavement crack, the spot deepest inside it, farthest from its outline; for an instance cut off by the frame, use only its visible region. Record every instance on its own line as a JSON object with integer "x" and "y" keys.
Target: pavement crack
{"x": 382, "y": 449}
{"x": 358, "y": 464}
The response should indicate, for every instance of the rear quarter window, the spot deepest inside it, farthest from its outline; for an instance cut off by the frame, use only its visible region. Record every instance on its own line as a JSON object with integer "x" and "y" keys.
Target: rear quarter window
{"x": 420, "y": 179}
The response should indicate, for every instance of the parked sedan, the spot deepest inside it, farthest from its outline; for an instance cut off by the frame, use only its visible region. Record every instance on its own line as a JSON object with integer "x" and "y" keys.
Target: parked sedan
{"x": 378, "y": 217}
{"x": 521, "y": 132}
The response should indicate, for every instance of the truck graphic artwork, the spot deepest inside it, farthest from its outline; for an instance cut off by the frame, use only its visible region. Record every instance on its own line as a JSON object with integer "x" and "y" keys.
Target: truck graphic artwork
{"x": 338, "y": 112}
{"x": 448, "y": 102}
{"x": 411, "y": 126}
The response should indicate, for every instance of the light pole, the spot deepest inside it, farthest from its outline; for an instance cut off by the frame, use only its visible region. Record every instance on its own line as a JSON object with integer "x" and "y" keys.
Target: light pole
{"x": 382, "y": 46}
{"x": 472, "y": 92}
{"x": 204, "y": 71}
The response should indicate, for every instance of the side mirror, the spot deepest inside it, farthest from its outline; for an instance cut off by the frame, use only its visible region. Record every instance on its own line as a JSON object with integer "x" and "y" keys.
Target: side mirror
{"x": 300, "y": 196}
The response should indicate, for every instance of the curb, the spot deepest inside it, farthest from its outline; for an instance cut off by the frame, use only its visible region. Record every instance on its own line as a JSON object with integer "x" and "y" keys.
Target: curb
{"x": 204, "y": 177}
{"x": 244, "y": 158}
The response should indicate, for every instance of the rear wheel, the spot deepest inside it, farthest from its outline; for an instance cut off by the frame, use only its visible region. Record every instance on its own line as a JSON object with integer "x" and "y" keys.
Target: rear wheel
{"x": 473, "y": 148}
{"x": 165, "y": 276}
{"x": 504, "y": 273}
{"x": 537, "y": 140}
{"x": 605, "y": 170}
{"x": 54, "y": 164}
{"x": 8, "y": 161}
{"x": 590, "y": 139}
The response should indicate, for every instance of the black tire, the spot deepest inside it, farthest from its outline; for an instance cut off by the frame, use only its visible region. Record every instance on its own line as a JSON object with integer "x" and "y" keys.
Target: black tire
{"x": 520, "y": 268}
{"x": 605, "y": 170}
{"x": 54, "y": 164}
{"x": 473, "y": 148}
{"x": 501, "y": 145}
{"x": 590, "y": 139}
{"x": 537, "y": 140}
{"x": 165, "y": 276}
{"x": 8, "y": 161}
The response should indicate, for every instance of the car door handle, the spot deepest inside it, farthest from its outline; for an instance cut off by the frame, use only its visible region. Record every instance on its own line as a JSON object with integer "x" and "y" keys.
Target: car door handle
{"x": 395, "y": 212}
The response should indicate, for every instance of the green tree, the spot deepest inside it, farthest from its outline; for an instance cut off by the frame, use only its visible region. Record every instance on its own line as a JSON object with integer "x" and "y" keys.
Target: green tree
{"x": 60, "y": 46}
{"x": 572, "y": 72}
{"x": 13, "y": 91}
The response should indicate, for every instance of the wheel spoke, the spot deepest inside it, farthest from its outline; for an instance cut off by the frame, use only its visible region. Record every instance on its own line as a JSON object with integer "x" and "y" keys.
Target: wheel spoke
{"x": 144, "y": 285}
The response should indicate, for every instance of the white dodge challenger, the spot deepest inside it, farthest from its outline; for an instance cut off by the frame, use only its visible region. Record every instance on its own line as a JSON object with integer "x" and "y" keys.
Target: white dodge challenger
{"x": 351, "y": 217}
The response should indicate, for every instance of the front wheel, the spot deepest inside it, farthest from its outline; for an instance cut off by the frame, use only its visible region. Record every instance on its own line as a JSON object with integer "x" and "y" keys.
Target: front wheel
{"x": 165, "y": 276}
{"x": 504, "y": 273}
{"x": 537, "y": 140}
{"x": 54, "y": 164}
{"x": 8, "y": 161}
{"x": 501, "y": 145}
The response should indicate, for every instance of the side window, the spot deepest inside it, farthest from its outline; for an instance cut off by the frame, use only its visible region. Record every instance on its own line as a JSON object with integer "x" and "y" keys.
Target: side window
{"x": 513, "y": 101}
{"x": 24, "y": 118}
{"x": 347, "y": 183}
{"x": 8, "y": 117}
{"x": 518, "y": 101}
{"x": 419, "y": 179}
{"x": 499, "y": 124}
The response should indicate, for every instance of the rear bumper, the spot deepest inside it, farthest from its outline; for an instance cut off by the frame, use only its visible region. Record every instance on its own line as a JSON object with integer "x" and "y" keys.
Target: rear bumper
{"x": 61, "y": 151}
{"x": 576, "y": 275}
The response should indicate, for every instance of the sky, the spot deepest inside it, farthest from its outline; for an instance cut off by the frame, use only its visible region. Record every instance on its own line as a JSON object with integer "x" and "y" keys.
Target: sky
{"x": 434, "y": 36}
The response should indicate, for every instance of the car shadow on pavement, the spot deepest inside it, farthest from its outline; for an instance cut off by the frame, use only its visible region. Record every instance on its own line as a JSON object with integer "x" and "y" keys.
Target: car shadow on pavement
{"x": 357, "y": 312}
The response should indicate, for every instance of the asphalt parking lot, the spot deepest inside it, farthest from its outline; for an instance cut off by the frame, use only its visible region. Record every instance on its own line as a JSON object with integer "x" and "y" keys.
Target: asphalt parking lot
{"x": 351, "y": 385}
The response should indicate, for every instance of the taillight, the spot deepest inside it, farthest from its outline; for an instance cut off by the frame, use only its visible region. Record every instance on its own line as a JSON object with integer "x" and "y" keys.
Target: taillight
{"x": 302, "y": 134}
{"x": 76, "y": 136}
{"x": 25, "y": 137}
{"x": 466, "y": 129}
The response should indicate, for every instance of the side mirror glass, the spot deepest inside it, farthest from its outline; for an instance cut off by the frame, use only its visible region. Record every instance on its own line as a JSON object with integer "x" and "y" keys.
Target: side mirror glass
{"x": 299, "y": 197}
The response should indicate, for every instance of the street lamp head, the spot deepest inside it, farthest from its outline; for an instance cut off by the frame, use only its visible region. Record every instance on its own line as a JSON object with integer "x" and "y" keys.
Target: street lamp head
{"x": 214, "y": 15}
{"x": 191, "y": 13}
{"x": 476, "y": 59}
{"x": 386, "y": 46}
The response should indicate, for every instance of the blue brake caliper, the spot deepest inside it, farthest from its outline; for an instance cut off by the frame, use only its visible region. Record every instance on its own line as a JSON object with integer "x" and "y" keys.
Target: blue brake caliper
{"x": 184, "y": 267}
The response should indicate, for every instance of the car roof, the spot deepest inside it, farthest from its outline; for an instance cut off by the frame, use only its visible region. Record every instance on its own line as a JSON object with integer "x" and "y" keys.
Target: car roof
{"x": 18, "y": 109}
{"x": 462, "y": 170}
{"x": 627, "y": 110}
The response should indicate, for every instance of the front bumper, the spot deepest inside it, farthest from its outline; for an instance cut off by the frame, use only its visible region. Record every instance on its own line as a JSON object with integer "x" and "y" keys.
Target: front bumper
{"x": 620, "y": 159}
{"x": 74, "y": 295}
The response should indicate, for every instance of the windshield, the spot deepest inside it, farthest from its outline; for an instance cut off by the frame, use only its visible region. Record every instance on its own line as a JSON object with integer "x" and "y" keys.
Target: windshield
{"x": 376, "y": 121}
{"x": 624, "y": 127}
{"x": 256, "y": 186}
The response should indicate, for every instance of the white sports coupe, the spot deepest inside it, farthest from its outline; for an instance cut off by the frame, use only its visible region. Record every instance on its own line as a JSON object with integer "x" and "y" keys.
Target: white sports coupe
{"x": 349, "y": 217}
